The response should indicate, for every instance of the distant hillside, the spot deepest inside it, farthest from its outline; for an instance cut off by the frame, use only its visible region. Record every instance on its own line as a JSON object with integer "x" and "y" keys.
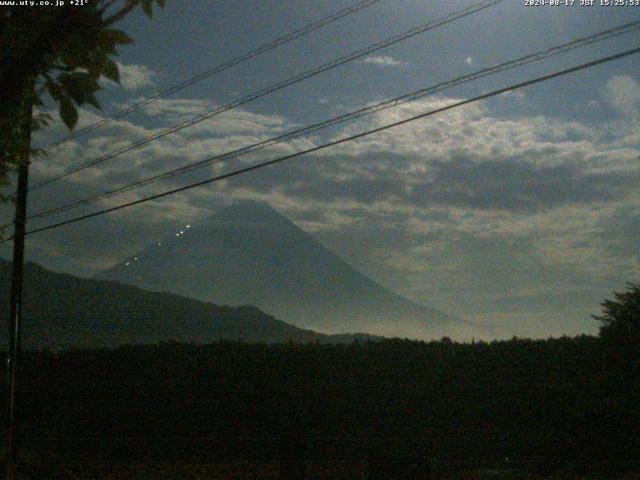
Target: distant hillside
{"x": 249, "y": 253}
{"x": 62, "y": 311}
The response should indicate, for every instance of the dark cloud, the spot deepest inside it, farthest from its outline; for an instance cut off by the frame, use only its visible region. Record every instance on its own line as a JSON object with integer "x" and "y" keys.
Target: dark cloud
{"x": 513, "y": 186}
{"x": 509, "y": 185}
{"x": 358, "y": 189}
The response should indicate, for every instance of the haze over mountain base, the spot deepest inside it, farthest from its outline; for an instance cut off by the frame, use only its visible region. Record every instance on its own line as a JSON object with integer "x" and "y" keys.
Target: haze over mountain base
{"x": 62, "y": 311}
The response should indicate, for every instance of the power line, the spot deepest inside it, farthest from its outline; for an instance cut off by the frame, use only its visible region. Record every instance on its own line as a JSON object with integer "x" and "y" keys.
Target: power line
{"x": 278, "y": 86}
{"x": 511, "y": 64}
{"x": 343, "y": 140}
{"x": 221, "y": 67}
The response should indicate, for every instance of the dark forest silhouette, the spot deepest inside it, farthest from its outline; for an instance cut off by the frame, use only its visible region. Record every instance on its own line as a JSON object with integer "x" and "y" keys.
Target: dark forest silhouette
{"x": 394, "y": 408}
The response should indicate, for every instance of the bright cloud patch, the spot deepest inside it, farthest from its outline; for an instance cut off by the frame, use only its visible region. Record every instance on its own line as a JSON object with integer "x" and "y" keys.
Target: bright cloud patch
{"x": 135, "y": 77}
{"x": 623, "y": 92}
{"x": 382, "y": 61}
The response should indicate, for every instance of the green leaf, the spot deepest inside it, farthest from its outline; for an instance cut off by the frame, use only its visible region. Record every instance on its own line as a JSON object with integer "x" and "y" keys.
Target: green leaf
{"x": 147, "y": 7}
{"x": 80, "y": 86}
{"x": 113, "y": 36}
{"x": 95, "y": 63}
{"x": 54, "y": 89}
{"x": 92, "y": 100}
{"x": 68, "y": 112}
{"x": 110, "y": 70}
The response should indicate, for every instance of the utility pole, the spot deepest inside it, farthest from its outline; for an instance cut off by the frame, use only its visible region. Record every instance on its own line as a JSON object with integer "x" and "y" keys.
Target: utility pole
{"x": 15, "y": 310}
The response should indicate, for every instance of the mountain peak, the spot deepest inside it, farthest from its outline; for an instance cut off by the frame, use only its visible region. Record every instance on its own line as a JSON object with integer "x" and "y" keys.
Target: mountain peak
{"x": 249, "y": 211}
{"x": 249, "y": 253}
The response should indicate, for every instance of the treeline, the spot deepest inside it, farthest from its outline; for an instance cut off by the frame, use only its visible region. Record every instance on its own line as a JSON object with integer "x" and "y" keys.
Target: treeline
{"x": 570, "y": 405}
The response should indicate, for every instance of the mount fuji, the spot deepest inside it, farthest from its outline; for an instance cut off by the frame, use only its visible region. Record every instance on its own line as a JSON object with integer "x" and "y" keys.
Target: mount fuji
{"x": 250, "y": 254}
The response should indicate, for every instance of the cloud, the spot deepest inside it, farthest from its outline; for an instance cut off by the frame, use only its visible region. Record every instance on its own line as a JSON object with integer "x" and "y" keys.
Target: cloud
{"x": 493, "y": 277}
{"x": 211, "y": 137}
{"x": 234, "y": 121}
{"x": 382, "y": 61}
{"x": 471, "y": 130}
{"x": 511, "y": 185}
{"x": 504, "y": 185}
{"x": 518, "y": 94}
{"x": 623, "y": 92}
{"x": 135, "y": 76}
{"x": 466, "y": 158}
{"x": 619, "y": 233}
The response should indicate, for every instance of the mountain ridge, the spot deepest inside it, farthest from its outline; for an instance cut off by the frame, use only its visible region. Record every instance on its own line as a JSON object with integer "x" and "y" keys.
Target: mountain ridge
{"x": 63, "y": 311}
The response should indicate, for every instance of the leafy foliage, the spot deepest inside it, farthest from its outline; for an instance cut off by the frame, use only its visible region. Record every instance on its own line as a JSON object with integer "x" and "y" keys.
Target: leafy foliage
{"x": 620, "y": 320}
{"x": 55, "y": 53}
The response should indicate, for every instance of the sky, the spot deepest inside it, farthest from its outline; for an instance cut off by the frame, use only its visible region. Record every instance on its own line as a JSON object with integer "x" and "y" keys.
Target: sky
{"x": 519, "y": 212}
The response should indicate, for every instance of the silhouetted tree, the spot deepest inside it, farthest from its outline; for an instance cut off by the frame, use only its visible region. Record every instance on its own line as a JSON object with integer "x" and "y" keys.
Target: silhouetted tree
{"x": 620, "y": 320}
